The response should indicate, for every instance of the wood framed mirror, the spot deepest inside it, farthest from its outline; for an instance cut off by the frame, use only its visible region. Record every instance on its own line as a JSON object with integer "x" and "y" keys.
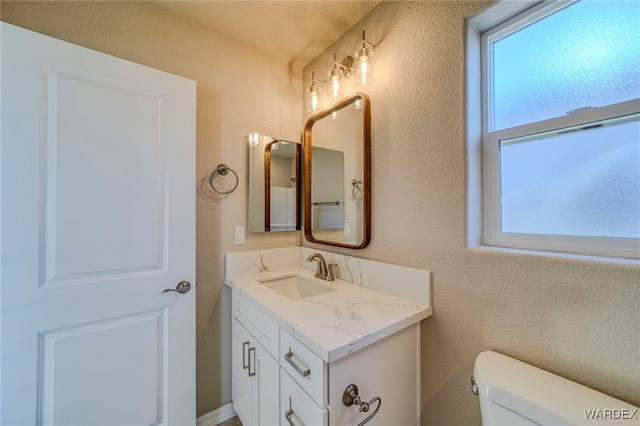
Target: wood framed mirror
{"x": 337, "y": 174}
{"x": 274, "y": 184}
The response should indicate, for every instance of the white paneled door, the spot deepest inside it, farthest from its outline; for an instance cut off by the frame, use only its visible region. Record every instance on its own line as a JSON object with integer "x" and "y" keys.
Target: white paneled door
{"x": 97, "y": 213}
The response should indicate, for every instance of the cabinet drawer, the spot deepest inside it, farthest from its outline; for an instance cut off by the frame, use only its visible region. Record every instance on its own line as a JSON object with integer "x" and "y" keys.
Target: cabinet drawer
{"x": 296, "y": 407}
{"x": 305, "y": 367}
{"x": 263, "y": 328}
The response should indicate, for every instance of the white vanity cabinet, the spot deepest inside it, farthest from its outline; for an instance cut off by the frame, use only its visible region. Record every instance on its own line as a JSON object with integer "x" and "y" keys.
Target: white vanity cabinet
{"x": 280, "y": 381}
{"x": 255, "y": 368}
{"x": 363, "y": 330}
{"x": 309, "y": 346}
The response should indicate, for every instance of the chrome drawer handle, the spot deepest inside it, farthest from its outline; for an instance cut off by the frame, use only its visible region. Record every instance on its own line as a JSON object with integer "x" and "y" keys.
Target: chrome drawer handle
{"x": 288, "y": 415}
{"x": 245, "y": 364}
{"x": 289, "y": 357}
{"x": 254, "y": 361}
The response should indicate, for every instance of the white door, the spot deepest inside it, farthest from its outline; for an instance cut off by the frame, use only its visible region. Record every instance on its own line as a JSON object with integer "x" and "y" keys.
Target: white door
{"x": 97, "y": 174}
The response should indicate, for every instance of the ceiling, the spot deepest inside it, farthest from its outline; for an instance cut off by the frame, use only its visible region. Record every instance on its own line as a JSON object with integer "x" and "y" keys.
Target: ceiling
{"x": 295, "y": 31}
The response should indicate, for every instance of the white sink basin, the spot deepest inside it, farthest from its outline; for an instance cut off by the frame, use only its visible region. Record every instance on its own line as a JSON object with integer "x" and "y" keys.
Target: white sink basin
{"x": 295, "y": 287}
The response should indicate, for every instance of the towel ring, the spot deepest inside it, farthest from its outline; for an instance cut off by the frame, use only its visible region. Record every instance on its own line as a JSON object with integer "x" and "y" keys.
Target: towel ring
{"x": 357, "y": 191}
{"x": 222, "y": 170}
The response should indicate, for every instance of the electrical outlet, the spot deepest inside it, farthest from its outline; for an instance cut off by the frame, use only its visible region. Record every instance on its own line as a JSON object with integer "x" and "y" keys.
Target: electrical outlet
{"x": 347, "y": 229}
{"x": 240, "y": 236}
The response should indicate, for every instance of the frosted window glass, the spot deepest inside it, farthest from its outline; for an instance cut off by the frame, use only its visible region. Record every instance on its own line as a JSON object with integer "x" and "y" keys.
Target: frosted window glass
{"x": 587, "y": 54}
{"x": 580, "y": 183}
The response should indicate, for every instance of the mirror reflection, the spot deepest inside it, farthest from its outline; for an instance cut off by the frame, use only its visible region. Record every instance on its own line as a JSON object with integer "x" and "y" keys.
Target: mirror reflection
{"x": 273, "y": 184}
{"x": 327, "y": 205}
{"x": 337, "y": 177}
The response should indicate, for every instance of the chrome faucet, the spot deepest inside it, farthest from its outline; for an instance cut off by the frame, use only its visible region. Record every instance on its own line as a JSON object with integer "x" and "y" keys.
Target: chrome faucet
{"x": 323, "y": 271}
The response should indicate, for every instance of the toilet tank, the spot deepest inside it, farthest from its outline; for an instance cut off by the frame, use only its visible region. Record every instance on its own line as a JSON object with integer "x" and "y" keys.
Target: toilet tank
{"x": 515, "y": 393}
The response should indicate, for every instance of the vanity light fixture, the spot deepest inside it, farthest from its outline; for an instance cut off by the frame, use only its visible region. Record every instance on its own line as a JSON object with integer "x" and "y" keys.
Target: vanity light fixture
{"x": 363, "y": 58}
{"x": 358, "y": 65}
{"x": 314, "y": 95}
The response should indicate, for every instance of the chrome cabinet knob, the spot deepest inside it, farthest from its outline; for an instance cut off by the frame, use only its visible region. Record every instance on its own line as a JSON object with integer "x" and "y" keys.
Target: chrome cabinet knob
{"x": 182, "y": 287}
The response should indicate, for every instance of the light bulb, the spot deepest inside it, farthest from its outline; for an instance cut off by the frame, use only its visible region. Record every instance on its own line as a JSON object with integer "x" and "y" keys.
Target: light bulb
{"x": 334, "y": 89}
{"x": 313, "y": 101}
{"x": 254, "y": 139}
{"x": 313, "y": 96}
{"x": 364, "y": 64}
{"x": 363, "y": 57}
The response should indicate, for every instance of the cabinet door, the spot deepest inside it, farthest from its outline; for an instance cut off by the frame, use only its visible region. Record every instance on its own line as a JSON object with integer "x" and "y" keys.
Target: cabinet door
{"x": 296, "y": 407}
{"x": 268, "y": 383}
{"x": 245, "y": 402}
{"x": 256, "y": 376}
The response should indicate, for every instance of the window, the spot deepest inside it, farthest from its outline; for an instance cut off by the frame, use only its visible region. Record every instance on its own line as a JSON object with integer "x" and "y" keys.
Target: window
{"x": 561, "y": 129}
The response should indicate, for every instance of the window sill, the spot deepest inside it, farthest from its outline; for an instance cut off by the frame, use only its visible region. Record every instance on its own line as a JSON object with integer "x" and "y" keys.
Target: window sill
{"x": 555, "y": 256}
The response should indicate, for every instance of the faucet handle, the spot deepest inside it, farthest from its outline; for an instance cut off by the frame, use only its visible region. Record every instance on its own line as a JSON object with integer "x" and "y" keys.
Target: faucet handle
{"x": 330, "y": 267}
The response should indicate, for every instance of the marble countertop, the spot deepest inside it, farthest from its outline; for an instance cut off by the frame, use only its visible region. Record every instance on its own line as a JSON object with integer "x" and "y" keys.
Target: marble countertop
{"x": 336, "y": 323}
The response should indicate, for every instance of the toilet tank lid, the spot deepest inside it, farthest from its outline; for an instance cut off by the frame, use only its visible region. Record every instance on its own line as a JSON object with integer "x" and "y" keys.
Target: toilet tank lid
{"x": 545, "y": 397}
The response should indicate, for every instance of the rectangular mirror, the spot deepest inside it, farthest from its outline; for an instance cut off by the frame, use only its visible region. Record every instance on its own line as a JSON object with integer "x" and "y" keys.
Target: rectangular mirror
{"x": 274, "y": 184}
{"x": 337, "y": 174}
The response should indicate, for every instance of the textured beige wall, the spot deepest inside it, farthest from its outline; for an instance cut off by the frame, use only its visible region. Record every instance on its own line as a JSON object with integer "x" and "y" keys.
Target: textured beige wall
{"x": 575, "y": 317}
{"x": 239, "y": 91}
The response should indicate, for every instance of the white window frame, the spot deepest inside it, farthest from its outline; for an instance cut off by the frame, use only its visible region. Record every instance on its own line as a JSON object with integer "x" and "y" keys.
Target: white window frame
{"x": 492, "y": 234}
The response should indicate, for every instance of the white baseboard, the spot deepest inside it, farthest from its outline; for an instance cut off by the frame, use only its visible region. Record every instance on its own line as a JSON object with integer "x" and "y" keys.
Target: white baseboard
{"x": 217, "y": 416}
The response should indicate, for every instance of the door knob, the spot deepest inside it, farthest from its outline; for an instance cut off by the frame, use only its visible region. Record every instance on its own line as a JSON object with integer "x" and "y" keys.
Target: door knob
{"x": 182, "y": 287}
